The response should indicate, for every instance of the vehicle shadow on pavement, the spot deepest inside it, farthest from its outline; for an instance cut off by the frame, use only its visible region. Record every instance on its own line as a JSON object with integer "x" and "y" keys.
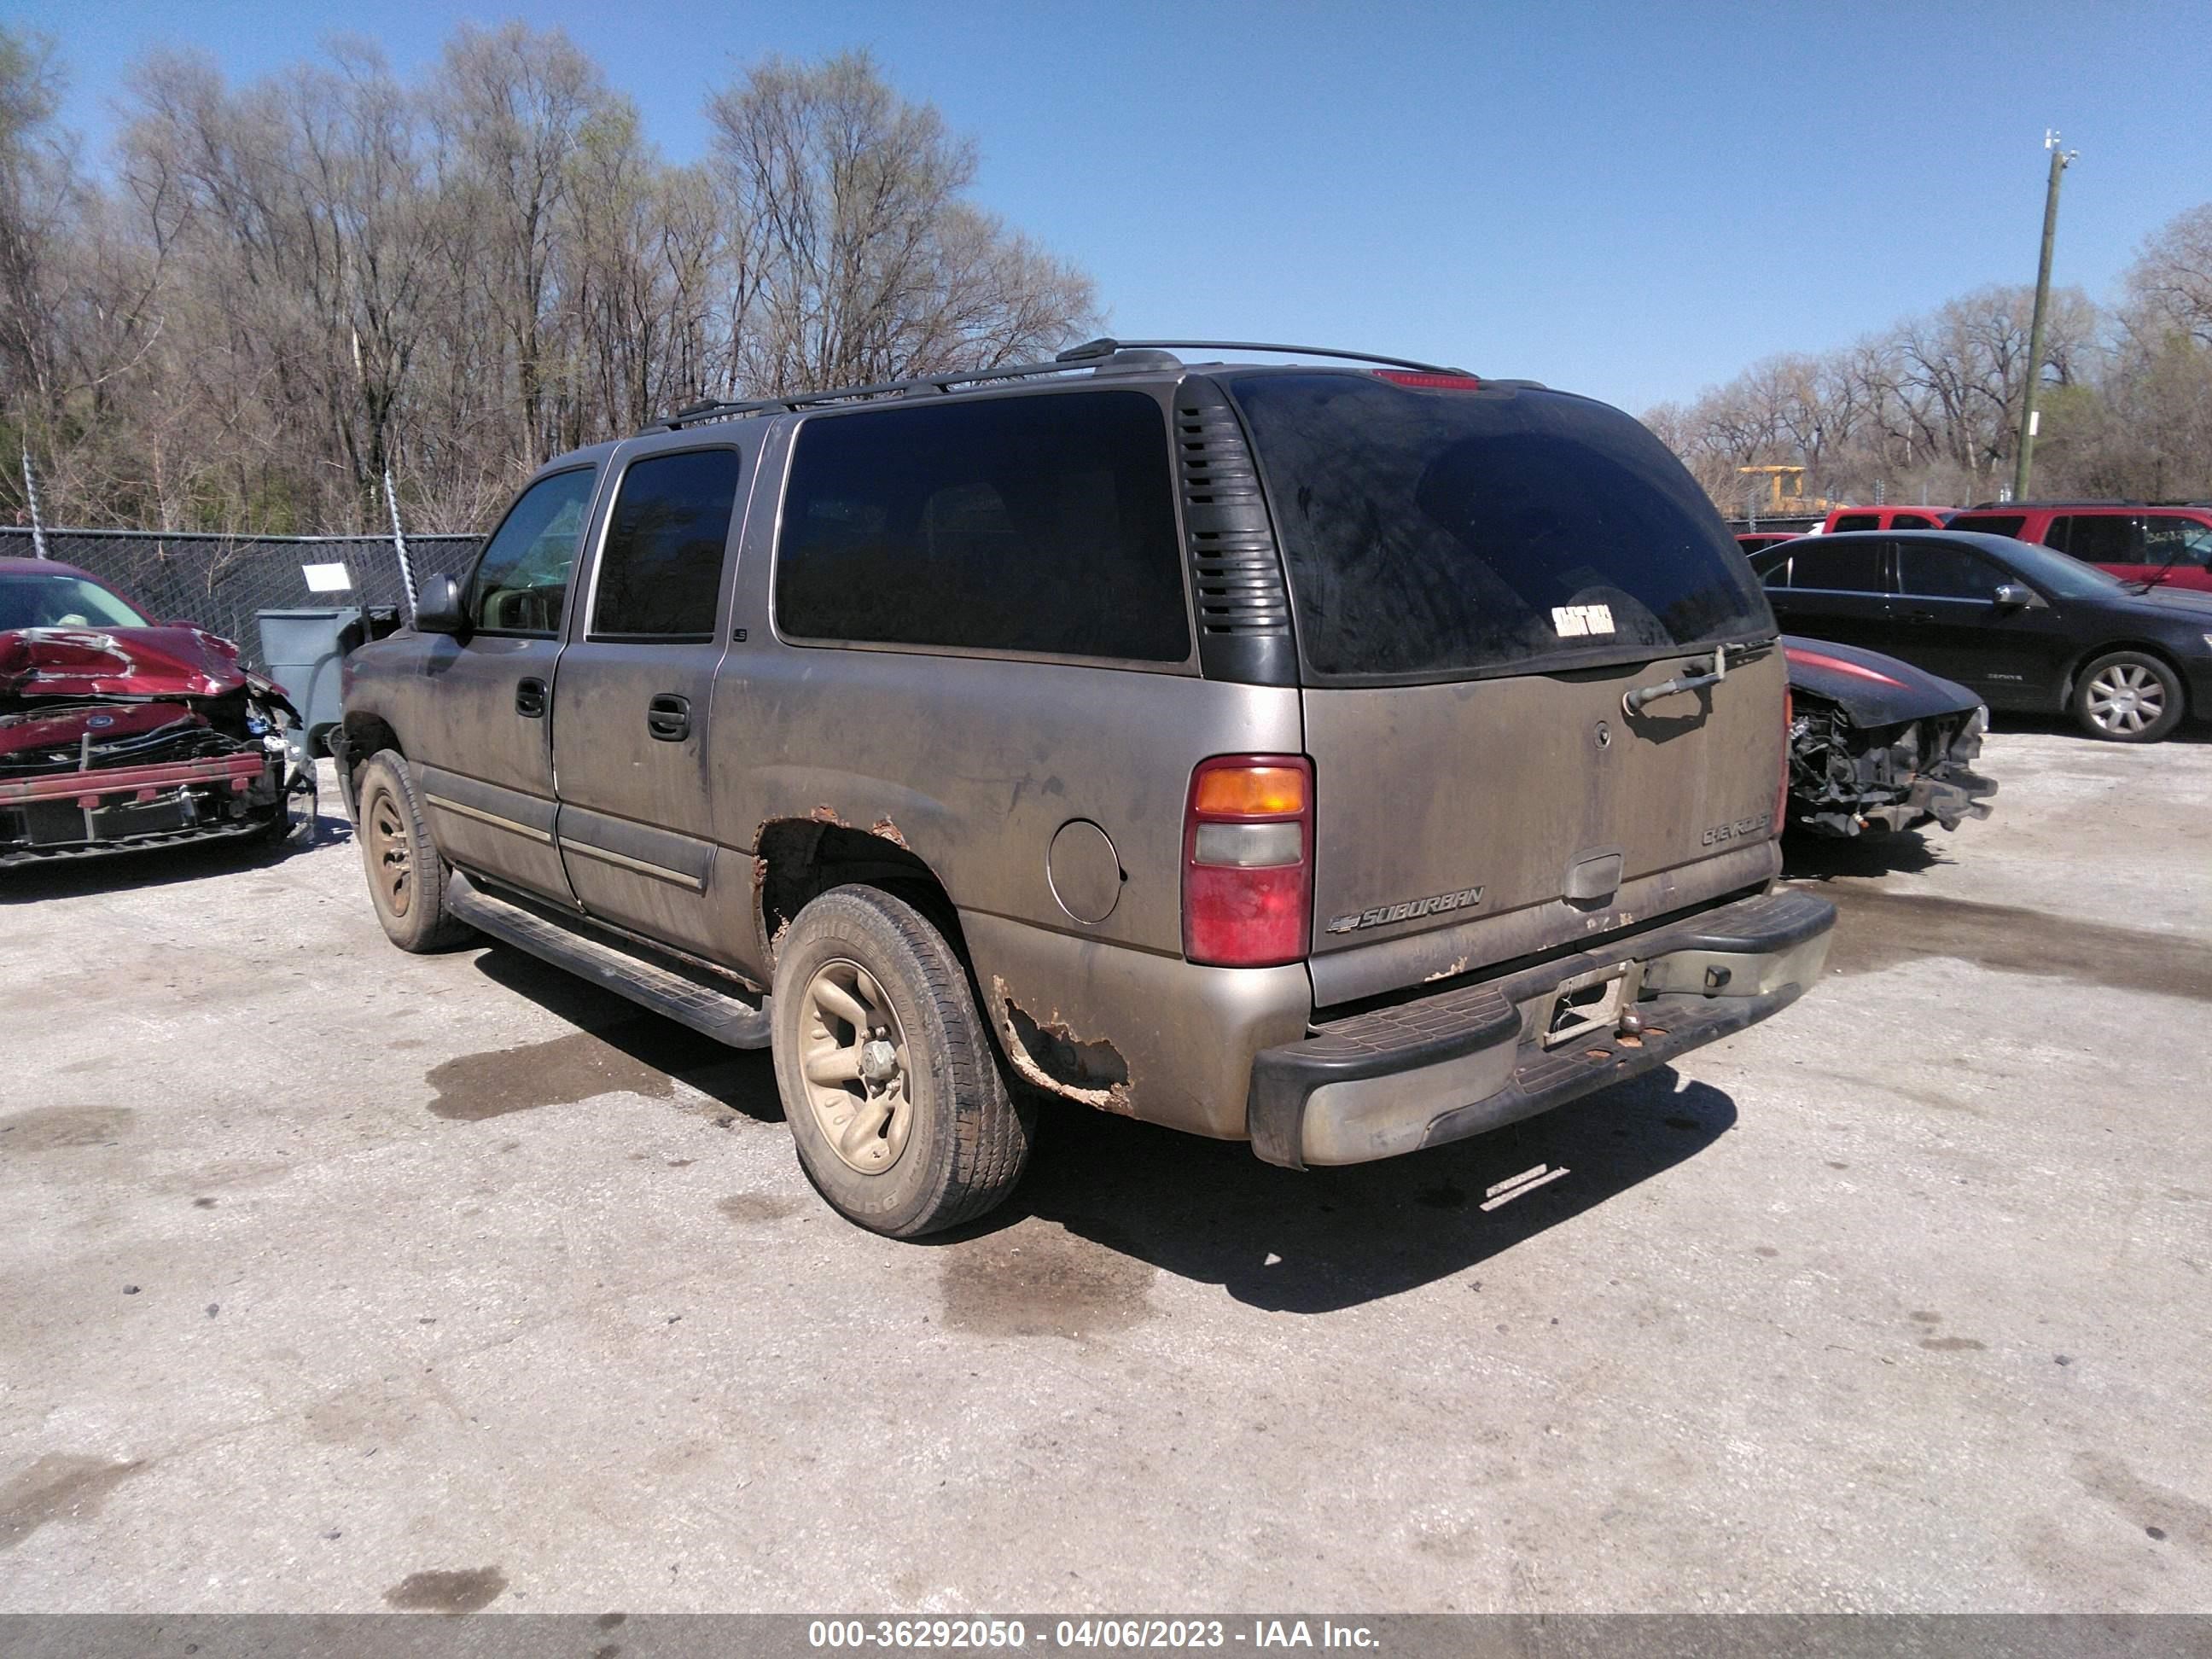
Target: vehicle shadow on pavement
{"x": 1284, "y": 1240}
{"x": 1821, "y": 858}
{"x": 609, "y": 1030}
{"x": 163, "y": 866}
{"x": 1316, "y": 1241}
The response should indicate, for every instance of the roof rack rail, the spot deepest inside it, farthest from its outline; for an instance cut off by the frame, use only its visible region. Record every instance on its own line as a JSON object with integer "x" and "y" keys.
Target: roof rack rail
{"x": 1091, "y": 354}
{"x": 2056, "y": 500}
{"x": 1106, "y": 346}
{"x": 712, "y": 410}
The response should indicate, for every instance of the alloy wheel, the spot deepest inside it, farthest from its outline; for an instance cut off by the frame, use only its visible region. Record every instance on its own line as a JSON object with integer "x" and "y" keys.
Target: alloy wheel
{"x": 2124, "y": 698}
{"x": 854, "y": 1060}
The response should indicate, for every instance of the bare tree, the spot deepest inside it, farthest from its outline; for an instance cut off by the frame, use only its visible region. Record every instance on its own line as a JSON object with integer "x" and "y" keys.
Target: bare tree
{"x": 1932, "y": 403}
{"x": 513, "y": 106}
{"x": 76, "y": 294}
{"x": 871, "y": 265}
{"x": 2169, "y": 286}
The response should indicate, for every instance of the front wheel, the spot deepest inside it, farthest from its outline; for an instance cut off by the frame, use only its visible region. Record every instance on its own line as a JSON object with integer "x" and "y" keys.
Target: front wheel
{"x": 901, "y": 1114}
{"x": 406, "y": 872}
{"x": 2127, "y": 697}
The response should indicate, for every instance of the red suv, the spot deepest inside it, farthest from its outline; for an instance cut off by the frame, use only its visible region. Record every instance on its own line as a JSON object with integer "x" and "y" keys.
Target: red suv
{"x": 2157, "y": 543}
{"x": 1886, "y": 518}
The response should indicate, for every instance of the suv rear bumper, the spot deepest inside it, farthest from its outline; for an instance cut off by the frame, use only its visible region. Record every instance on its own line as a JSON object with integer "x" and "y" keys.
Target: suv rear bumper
{"x": 1475, "y": 1058}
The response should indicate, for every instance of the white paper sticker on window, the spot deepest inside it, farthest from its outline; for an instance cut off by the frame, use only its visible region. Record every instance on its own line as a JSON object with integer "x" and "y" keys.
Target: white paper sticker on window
{"x": 328, "y": 578}
{"x": 1573, "y": 620}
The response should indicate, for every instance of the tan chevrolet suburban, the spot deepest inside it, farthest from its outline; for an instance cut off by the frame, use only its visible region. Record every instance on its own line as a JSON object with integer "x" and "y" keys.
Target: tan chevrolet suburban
{"x": 1346, "y": 756}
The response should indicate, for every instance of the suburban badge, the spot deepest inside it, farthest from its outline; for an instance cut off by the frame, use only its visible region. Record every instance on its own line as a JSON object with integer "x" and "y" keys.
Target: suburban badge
{"x": 1383, "y": 915}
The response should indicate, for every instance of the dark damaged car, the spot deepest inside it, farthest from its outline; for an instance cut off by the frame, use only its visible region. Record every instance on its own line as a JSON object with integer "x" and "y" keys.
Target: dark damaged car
{"x": 118, "y": 732}
{"x": 1876, "y": 745}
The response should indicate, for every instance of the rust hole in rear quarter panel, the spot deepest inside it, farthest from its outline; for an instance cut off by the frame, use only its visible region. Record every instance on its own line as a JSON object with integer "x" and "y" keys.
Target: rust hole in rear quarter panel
{"x": 1049, "y": 1054}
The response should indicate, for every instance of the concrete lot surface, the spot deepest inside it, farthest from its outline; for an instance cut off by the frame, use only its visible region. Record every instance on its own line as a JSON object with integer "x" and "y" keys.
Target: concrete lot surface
{"x": 334, "y": 1279}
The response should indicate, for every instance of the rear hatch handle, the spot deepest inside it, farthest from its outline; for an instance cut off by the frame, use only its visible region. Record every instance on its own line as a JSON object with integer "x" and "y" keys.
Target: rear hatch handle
{"x": 1633, "y": 702}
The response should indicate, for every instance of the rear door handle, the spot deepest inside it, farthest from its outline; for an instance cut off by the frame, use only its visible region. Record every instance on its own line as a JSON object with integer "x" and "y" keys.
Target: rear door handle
{"x": 668, "y": 717}
{"x": 530, "y": 698}
{"x": 1920, "y": 615}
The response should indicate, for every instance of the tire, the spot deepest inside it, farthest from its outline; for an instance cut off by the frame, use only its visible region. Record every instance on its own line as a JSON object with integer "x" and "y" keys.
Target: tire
{"x": 2127, "y": 697}
{"x": 406, "y": 872}
{"x": 908, "y": 1127}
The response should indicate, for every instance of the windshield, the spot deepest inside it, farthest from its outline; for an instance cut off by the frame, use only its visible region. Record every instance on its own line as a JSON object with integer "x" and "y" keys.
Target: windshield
{"x": 1438, "y": 535}
{"x": 2068, "y": 577}
{"x": 61, "y": 601}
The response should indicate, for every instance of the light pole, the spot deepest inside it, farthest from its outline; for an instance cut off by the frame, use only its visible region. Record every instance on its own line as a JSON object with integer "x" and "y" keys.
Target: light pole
{"x": 2060, "y": 160}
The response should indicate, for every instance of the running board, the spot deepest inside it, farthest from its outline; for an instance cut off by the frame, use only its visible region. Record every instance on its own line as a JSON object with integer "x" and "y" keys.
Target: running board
{"x": 722, "y": 1015}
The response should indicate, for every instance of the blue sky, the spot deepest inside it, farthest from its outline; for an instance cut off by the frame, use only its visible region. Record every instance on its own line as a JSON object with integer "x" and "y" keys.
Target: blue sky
{"x": 1631, "y": 200}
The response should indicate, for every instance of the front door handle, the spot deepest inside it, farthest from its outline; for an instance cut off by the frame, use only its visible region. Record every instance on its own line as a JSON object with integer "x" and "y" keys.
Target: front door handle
{"x": 530, "y": 698}
{"x": 1920, "y": 615}
{"x": 668, "y": 717}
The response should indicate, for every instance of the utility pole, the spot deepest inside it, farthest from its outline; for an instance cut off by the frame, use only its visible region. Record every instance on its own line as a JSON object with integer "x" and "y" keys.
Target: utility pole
{"x": 2060, "y": 160}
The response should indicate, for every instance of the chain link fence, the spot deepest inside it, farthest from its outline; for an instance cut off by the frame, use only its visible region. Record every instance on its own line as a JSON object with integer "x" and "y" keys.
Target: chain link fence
{"x": 222, "y": 582}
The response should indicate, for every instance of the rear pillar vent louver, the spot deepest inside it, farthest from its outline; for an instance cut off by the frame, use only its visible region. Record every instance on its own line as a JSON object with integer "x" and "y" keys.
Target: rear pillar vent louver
{"x": 1244, "y": 610}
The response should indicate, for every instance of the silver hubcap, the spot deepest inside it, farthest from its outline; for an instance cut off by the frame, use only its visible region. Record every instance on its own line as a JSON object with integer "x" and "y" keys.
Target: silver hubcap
{"x": 854, "y": 1057}
{"x": 2125, "y": 698}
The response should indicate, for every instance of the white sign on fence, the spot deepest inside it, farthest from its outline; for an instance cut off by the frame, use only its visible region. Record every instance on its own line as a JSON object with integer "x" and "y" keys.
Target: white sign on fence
{"x": 326, "y": 578}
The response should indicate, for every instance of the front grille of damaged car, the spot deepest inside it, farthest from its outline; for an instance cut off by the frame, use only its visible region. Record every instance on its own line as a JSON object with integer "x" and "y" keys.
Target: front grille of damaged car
{"x": 183, "y": 739}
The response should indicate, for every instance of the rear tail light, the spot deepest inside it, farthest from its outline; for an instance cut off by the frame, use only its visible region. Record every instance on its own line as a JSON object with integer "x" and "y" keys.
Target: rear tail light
{"x": 1247, "y": 861}
{"x": 1782, "y": 790}
{"x": 1428, "y": 382}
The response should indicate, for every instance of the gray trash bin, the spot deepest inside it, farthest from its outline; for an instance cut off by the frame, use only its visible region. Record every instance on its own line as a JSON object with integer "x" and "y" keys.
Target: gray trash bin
{"x": 303, "y": 651}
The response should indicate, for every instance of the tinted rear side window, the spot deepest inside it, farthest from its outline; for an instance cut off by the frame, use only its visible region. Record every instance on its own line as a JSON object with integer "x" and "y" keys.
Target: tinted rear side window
{"x": 1991, "y": 524}
{"x": 660, "y": 571}
{"x": 1445, "y": 534}
{"x": 2096, "y": 537}
{"x": 1857, "y": 521}
{"x": 1844, "y": 568}
{"x": 1042, "y": 525}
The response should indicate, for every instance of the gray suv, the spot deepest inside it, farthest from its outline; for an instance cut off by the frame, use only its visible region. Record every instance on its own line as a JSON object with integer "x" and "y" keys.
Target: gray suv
{"x": 1346, "y": 759}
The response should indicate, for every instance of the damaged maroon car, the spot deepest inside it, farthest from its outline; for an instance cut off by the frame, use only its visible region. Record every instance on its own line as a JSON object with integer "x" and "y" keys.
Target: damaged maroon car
{"x": 118, "y": 732}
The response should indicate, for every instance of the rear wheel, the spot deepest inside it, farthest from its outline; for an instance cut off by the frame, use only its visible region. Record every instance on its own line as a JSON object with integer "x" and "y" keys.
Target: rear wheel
{"x": 901, "y": 1114}
{"x": 2128, "y": 696}
{"x": 406, "y": 872}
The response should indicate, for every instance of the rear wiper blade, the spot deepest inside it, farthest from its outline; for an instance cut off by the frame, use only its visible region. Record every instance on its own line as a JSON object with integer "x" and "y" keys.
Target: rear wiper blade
{"x": 1633, "y": 702}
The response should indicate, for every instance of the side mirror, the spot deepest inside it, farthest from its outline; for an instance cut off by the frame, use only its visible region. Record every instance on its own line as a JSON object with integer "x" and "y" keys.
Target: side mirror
{"x": 2014, "y": 595}
{"x": 438, "y": 606}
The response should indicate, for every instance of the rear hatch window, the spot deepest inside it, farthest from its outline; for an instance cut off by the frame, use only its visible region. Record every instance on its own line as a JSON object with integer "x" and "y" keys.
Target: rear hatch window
{"x": 1435, "y": 535}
